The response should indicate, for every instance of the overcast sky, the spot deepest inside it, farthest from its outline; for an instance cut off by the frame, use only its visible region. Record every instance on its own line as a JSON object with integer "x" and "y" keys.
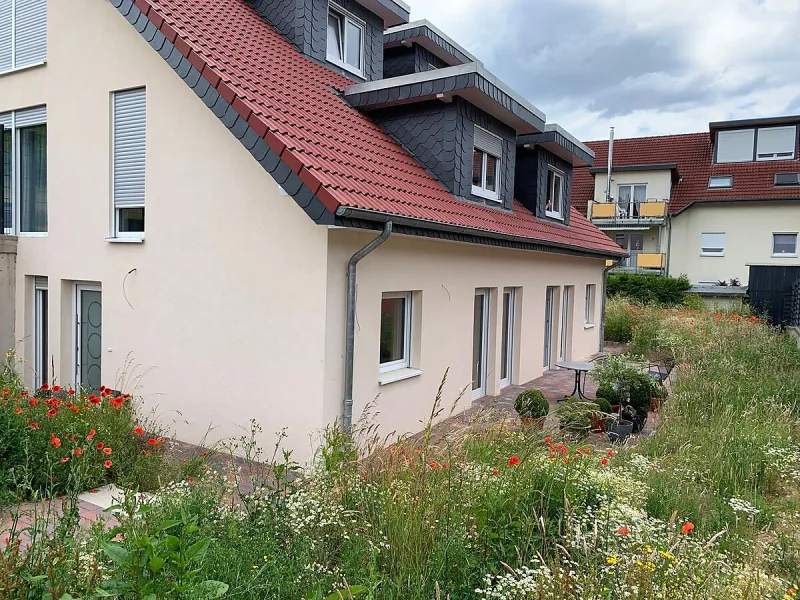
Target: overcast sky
{"x": 647, "y": 67}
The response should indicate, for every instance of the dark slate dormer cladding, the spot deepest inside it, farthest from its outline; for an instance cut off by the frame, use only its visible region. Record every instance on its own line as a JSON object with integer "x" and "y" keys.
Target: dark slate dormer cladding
{"x": 531, "y": 181}
{"x": 440, "y": 135}
{"x": 402, "y": 60}
{"x": 305, "y": 24}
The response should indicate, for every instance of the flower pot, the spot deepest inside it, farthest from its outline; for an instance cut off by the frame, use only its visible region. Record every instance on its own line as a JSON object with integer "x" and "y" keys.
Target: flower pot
{"x": 598, "y": 425}
{"x": 531, "y": 422}
{"x": 655, "y": 404}
{"x": 619, "y": 431}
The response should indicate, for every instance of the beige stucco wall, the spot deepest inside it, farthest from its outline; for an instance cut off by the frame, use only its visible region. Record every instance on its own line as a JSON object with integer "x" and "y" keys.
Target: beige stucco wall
{"x": 224, "y": 314}
{"x": 659, "y": 183}
{"x": 444, "y": 277}
{"x": 748, "y": 232}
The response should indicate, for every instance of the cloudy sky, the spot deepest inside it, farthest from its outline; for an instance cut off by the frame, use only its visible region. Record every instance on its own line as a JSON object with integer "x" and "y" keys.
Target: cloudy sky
{"x": 647, "y": 67}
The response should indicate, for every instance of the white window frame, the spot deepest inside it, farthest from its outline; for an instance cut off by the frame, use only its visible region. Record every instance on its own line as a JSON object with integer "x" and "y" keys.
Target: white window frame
{"x": 719, "y": 179}
{"x": 591, "y": 294}
{"x": 40, "y": 333}
{"x": 345, "y": 17}
{"x": 13, "y": 41}
{"x": 405, "y": 362}
{"x": 559, "y": 214}
{"x": 704, "y": 252}
{"x": 16, "y": 200}
{"x": 509, "y": 333}
{"x": 766, "y": 157}
{"x": 735, "y": 132}
{"x": 116, "y": 234}
{"x": 480, "y": 190}
{"x": 784, "y": 255}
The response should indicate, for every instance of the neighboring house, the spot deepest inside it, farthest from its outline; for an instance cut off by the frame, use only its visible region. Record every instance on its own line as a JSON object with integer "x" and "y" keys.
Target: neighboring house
{"x": 704, "y": 204}
{"x": 189, "y": 179}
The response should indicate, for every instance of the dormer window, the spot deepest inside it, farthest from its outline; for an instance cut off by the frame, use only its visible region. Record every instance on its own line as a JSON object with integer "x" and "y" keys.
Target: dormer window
{"x": 555, "y": 194}
{"x": 486, "y": 155}
{"x": 345, "y": 40}
{"x": 756, "y": 144}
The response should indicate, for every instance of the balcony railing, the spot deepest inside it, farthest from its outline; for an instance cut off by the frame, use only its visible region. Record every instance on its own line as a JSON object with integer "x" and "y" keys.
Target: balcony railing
{"x": 643, "y": 262}
{"x": 650, "y": 212}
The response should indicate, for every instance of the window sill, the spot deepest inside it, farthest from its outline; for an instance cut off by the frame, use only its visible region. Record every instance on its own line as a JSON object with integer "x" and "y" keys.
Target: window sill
{"x": 784, "y": 256}
{"x": 25, "y": 68}
{"x": 554, "y": 215}
{"x": 707, "y": 255}
{"x": 33, "y": 234}
{"x": 125, "y": 240}
{"x": 398, "y": 375}
{"x": 588, "y": 325}
{"x": 485, "y": 194}
{"x": 343, "y": 65}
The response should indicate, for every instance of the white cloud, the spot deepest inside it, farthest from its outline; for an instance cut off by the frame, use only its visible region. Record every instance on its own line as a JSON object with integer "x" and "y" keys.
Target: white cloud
{"x": 647, "y": 67}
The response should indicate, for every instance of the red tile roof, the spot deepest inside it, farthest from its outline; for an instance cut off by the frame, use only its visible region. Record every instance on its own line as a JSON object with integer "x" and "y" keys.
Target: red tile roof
{"x": 338, "y": 152}
{"x": 693, "y": 153}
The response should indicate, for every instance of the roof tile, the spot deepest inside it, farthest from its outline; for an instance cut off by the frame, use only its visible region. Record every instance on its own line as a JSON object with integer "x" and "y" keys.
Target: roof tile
{"x": 357, "y": 164}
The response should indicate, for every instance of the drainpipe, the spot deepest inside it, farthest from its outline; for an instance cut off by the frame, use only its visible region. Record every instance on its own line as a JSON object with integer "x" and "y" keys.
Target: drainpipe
{"x": 350, "y": 335}
{"x": 603, "y": 308}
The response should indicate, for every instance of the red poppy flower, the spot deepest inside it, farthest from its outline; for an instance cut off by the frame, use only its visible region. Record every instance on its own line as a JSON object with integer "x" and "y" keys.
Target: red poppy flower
{"x": 513, "y": 461}
{"x": 604, "y": 461}
{"x": 611, "y": 453}
{"x": 78, "y": 451}
{"x": 446, "y": 466}
{"x": 34, "y": 425}
{"x": 687, "y": 528}
{"x": 107, "y": 451}
{"x": 45, "y": 386}
{"x": 547, "y": 440}
{"x": 52, "y": 412}
{"x": 191, "y": 480}
{"x": 566, "y": 461}
{"x": 152, "y": 441}
{"x": 70, "y": 391}
{"x": 433, "y": 464}
{"x": 33, "y": 401}
{"x": 91, "y": 435}
{"x": 56, "y": 388}
{"x": 552, "y": 456}
{"x": 55, "y": 442}
{"x": 108, "y": 464}
{"x": 95, "y": 400}
{"x": 138, "y": 431}
{"x": 64, "y": 459}
{"x": 495, "y": 472}
{"x": 102, "y": 389}
{"x": 623, "y": 530}
{"x": 100, "y": 445}
{"x": 18, "y": 410}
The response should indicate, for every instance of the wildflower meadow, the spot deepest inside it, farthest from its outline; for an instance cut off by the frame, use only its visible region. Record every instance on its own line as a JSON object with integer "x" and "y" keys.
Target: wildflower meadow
{"x": 707, "y": 507}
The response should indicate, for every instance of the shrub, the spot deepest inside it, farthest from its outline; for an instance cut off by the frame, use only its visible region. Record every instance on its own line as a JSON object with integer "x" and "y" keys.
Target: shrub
{"x": 532, "y": 404}
{"x": 575, "y": 417}
{"x": 603, "y": 405}
{"x": 610, "y": 393}
{"x": 620, "y": 320}
{"x": 648, "y": 288}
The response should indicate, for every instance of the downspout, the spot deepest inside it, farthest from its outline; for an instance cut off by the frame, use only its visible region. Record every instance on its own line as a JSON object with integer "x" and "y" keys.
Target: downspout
{"x": 350, "y": 335}
{"x": 603, "y": 306}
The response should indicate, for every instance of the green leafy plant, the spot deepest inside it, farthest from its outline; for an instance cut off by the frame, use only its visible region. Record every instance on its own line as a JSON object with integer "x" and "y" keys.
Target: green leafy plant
{"x": 603, "y": 405}
{"x": 648, "y": 288}
{"x": 532, "y": 404}
{"x": 164, "y": 563}
{"x": 575, "y": 416}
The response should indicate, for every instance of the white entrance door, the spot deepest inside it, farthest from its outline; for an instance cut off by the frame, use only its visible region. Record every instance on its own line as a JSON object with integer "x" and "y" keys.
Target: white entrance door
{"x": 507, "y": 351}
{"x": 88, "y": 336}
{"x": 480, "y": 343}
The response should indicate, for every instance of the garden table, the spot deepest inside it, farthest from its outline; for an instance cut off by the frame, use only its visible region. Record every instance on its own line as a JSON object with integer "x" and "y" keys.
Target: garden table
{"x": 579, "y": 368}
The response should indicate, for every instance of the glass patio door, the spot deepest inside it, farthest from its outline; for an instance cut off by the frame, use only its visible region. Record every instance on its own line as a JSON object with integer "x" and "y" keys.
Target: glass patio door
{"x": 480, "y": 343}
{"x": 565, "y": 351}
{"x": 507, "y": 350}
{"x": 549, "y": 310}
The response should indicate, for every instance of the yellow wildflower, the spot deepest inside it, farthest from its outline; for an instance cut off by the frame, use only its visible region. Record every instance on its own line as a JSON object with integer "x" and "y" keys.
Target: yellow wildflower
{"x": 612, "y": 560}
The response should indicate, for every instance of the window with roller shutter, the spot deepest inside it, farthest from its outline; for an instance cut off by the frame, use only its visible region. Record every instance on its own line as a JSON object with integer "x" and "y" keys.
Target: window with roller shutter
{"x": 129, "y": 154}
{"x": 488, "y": 149}
{"x": 23, "y": 34}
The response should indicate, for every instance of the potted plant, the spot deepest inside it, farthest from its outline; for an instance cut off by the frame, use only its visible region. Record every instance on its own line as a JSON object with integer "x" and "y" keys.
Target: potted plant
{"x": 612, "y": 395}
{"x": 618, "y": 428}
{"x": 532, "y": 407}
{"x": 575, "y": 417}
{"x": 603, "y": 412}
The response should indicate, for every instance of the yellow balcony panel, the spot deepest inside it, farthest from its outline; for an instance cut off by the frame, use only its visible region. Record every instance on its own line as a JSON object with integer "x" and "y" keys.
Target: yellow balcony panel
{"x": 649, "y": 210}
{"x": 650, "y": 261}
{"x": 604, "y": 210}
